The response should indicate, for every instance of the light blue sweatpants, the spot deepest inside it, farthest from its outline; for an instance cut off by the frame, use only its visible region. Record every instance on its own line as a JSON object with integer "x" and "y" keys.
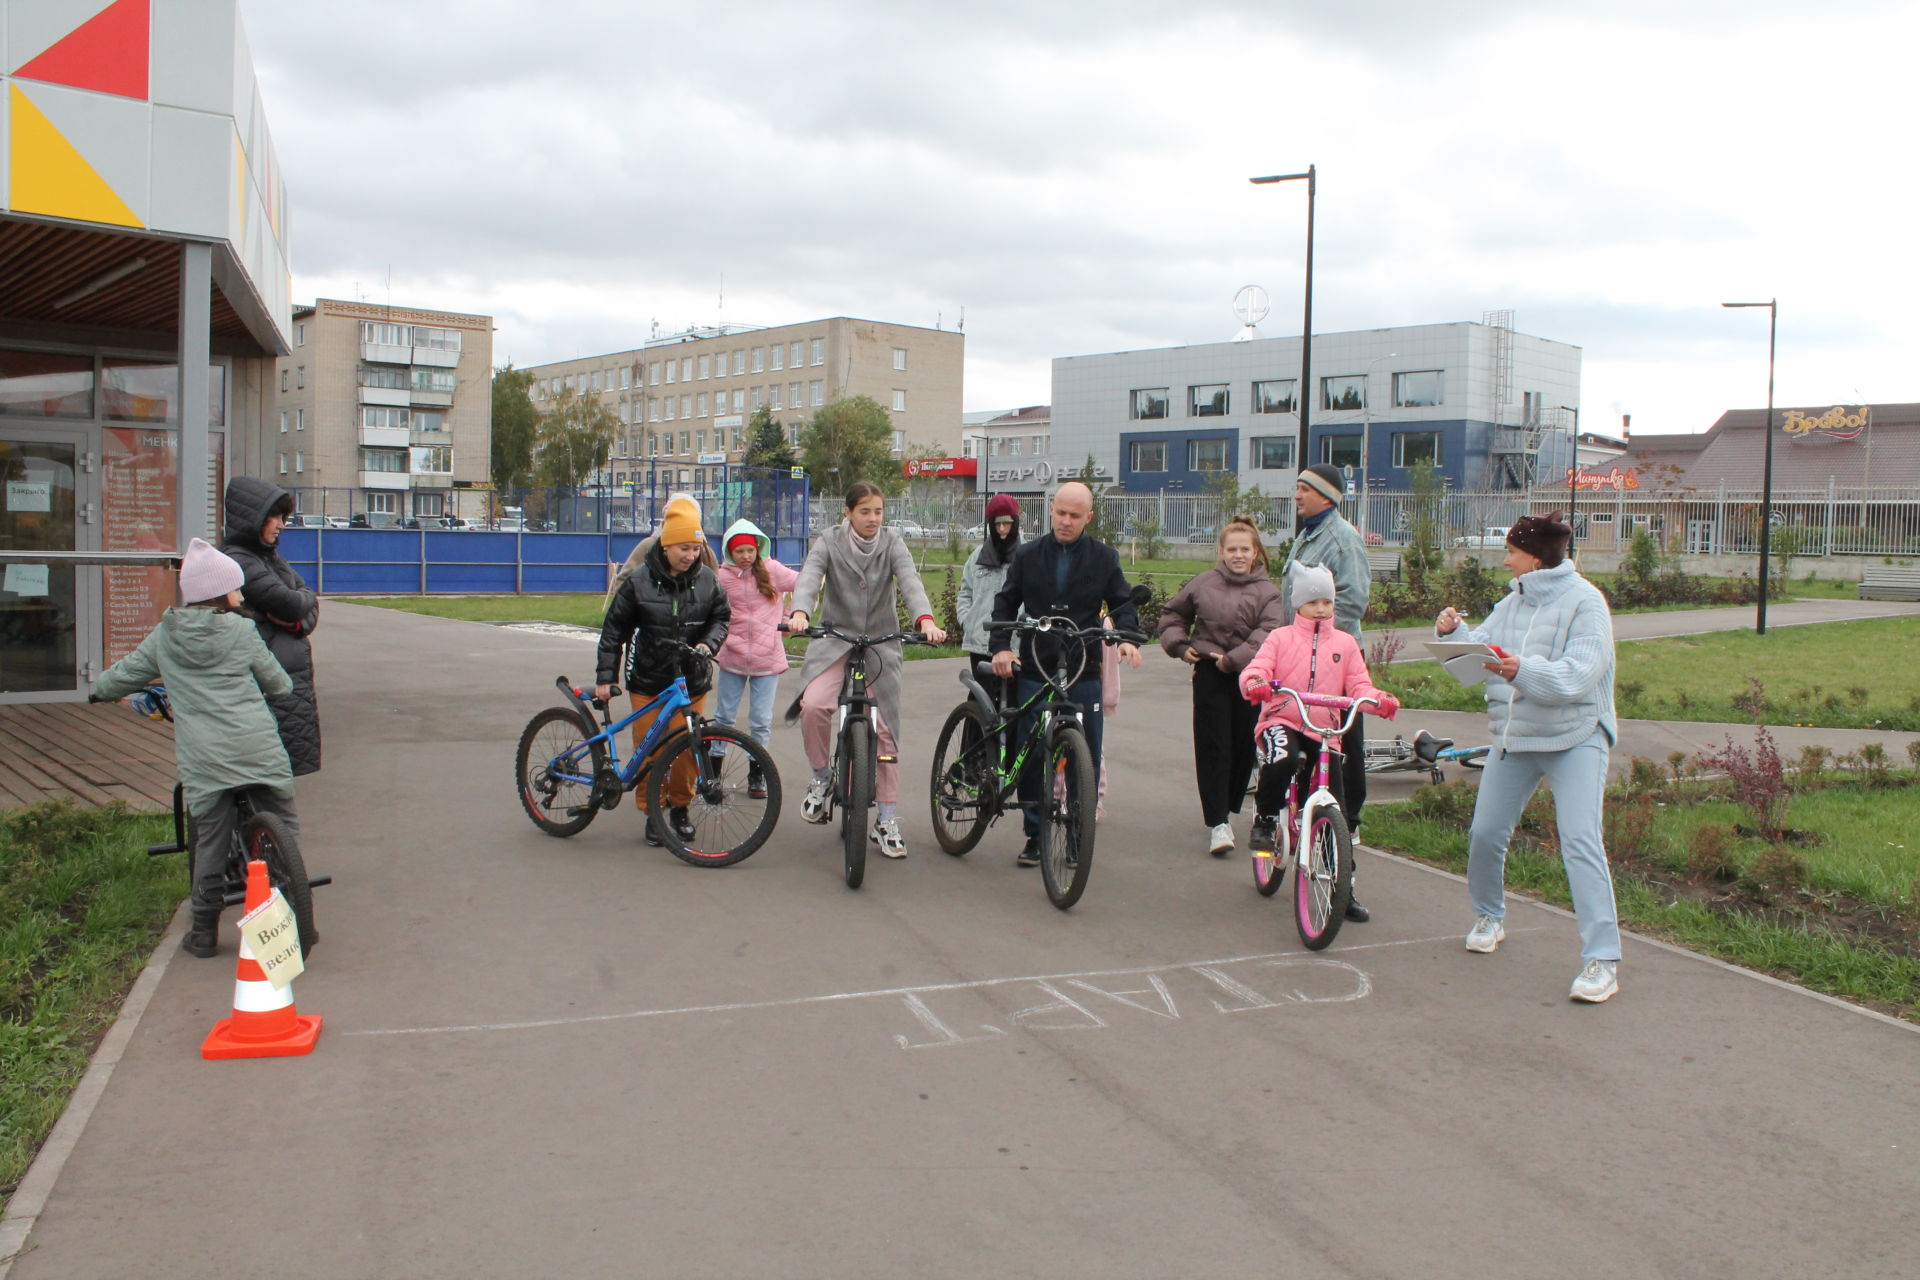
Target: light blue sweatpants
{"x": 1578, "y": 779}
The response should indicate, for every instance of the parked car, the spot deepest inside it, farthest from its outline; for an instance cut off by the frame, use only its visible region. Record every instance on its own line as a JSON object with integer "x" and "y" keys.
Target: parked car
{"x": 908, "y": 528}
{"x": 1491, "y": 538}
{"x": 306, "y": 520}
{"x": 337, "y": 522}
{"x": 460, "y": 525}
{"x": 374, "y": 520}
{"x": 424, "y": 522}
{"x": 1203, "y": 533}
{"x": 511, "y": 526}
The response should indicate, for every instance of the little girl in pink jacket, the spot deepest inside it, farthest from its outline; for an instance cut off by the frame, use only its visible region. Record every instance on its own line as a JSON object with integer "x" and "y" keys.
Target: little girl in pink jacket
{"x": 1313, "y": 656}
{"x": 752, "y": 659}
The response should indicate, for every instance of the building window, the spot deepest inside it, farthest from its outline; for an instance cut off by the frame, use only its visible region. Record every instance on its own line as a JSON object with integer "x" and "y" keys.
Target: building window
{"x": 383, "y": 501}
{"x": 1010, "y": 445}
{"x": 283, "y": 464}
{"x": 595, "y": 383}
{"x": 435, "y": 460}
{"x": 653, "y": 444}
{"x": 686, "y": 369}
{"x": 793, "y": 434}
{"x": 757, "y": 398}
{"x": 1340, "y": 451}
{"x": 1207, "y": 402}
{"x": 817, "y": 393}
{"x": 686, "y": 406}
{"x": 700, "y": 405}
{"x": 706, "y": 367}
{"x": 899, "y": 400}
{"x": 300, "y": 418}
{"x": 283, "y": 423}
{"x": 1413, "y": 447}
{"x": 686, "y": 442}
{"x": 740, "y": 361}
{"x": 1149, "y": 455}
{"x": 899, "y": 442}
{"x": 759, "y": 360}
{"x": 673, "y": 367}
{"x": 776, "y": 392}
{"x": 626, "y": 377}
{"x": 1530, "y": 406}
{"x": 666, "y": 408}
{"x": 300, "y": 335}
{"x": 793, "y": 394}
{"x": 375, "y": 415}
{"x": 793, "y": 356}
{"x": 653, "y": 373}
{"x": 390, "y": 376}
{"x": 437, "y": 339}
{"x": 1274, "y": 397}
{"x": 700, "y": 439}
{"x": 1343, "y": 392}
{"x": 380, "y": 334}
{"x": 300, "y": 377}
{"x": 1417, "y": 390}
{"x": 819, "y": 350}
{"x": 1206, "y": 455}
{"x": 286, "y": 376}
{"x": 1272, "y": 453}
{"x": 778, "y": 352}
{"x": 1147, "y": 402}
{"x": 440, "y": 380}
{"x": 900, "y": 359}
{"x": 299, "y": 462}
{"x": 385, "y": 460}
{"x": 429, "y": 420}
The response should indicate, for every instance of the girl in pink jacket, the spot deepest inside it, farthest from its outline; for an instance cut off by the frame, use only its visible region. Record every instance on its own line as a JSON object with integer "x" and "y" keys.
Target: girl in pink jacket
{"x": 753, "y": 657}
{"x": 1313, "y": 656}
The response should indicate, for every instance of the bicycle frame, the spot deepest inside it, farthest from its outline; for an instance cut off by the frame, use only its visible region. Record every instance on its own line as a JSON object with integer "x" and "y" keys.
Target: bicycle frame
{"x": 663, "y": 706}
{"x": 1051, "y": 702}
{"x": 1300, "y": 816}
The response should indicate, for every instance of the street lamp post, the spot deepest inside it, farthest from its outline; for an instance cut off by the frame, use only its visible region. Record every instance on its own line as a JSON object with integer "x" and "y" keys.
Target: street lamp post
{"x": 1306, "y": 325}
{"x": 1366, "y": 438}
{"x": 1573, "y": 471}
{"x": 1766, "y": 472}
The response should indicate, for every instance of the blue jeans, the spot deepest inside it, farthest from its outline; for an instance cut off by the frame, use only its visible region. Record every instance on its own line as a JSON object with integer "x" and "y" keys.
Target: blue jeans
{"x": 1578, "y": 777}
{"x": 1087, "y": 694}
{"x": 760, "y": 705}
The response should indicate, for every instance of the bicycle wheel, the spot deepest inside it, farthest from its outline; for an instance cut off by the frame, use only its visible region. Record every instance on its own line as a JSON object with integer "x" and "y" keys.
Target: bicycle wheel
{"x": 960, "y": 794}
{"x": 1270, "y": 868}
{"x": 1324, "y": 884}
{"x": 266, "y": 839}
{"x": 557, "y": 795}
{"x": 728, "y": 823}
{"x": 856, "y": 758}
{"x": 1066, "y": 825}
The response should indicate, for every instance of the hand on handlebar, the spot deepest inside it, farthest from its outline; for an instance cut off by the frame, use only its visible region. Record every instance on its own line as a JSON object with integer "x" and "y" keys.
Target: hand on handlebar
{"x": 933, "y": 634}
{"x": 1387, "y": 706}
{"x": 797, "y": 622}
{"x": 601, "y": 692}
{"x": 1257, "y": 691}
{"x": 1003, "y": 664}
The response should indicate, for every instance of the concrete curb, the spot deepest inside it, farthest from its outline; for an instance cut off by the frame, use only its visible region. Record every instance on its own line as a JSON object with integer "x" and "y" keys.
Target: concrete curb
{"x": 24, "y": 1208}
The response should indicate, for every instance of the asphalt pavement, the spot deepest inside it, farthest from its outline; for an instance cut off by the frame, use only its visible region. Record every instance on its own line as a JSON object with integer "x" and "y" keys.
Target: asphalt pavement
{"x": 582, "y": 1057}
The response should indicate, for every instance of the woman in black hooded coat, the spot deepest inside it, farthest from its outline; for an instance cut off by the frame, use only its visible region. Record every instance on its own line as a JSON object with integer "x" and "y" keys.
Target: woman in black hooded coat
{"x": 284, "y": 610}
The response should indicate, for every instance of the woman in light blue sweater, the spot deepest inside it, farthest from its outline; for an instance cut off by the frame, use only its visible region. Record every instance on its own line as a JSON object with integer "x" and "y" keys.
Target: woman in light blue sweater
{"x": 1550, "y": 707}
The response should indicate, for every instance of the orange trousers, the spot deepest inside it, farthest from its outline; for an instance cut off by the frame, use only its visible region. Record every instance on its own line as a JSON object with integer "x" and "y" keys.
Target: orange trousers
{"x": 680, "y": 782}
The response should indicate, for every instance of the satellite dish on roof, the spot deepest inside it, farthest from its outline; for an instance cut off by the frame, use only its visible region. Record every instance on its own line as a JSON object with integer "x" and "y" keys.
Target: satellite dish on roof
{"x": 1251, "y": 305}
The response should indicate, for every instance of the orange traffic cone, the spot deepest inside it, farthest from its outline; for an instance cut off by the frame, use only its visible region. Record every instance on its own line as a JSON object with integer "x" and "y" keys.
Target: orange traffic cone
{"x": 265, "y": 1023}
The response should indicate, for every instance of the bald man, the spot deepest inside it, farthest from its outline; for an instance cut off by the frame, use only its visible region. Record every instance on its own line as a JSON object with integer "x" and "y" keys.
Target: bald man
{"x": 1062, "y": 573}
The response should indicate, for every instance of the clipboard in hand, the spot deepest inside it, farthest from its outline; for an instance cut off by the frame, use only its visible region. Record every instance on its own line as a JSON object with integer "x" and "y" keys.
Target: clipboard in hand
{"x": 1465, "y": 662}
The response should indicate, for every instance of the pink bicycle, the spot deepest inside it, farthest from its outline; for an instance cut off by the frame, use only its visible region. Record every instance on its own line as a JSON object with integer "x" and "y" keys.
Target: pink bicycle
{"x": 1313, "y": 833}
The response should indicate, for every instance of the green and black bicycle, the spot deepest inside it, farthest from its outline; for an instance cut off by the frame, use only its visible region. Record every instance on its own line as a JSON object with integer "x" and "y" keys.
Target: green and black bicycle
{"x": 981, "y": 752}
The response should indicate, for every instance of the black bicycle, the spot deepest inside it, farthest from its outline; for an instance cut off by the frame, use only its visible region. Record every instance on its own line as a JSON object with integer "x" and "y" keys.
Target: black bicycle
{"x": 977, "y": 764}
{"x": 855, "y": 743}
{"x": 257, "y": 837}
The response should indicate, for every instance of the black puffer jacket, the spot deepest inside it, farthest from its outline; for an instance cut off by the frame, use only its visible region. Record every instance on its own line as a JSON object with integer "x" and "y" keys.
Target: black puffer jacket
{"x": 654, "y": 605}
{"x": 285, "y": 611}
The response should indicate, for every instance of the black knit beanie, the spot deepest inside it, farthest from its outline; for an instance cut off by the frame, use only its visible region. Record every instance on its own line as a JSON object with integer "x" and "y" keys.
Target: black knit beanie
{"x": 1545, "y": 538}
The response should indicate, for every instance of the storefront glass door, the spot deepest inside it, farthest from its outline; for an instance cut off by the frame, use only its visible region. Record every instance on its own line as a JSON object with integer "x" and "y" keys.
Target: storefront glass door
{"x": 44, "y": 612}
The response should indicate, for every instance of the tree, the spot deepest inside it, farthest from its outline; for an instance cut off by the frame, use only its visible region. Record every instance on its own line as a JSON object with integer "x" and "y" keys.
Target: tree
{"x": 767, "y": 442}
{"x": 575, "y": 437}
{"x": 848, "y": 440}
{"x": 1423, "y": 557}
{"x": 515, "y": 426}
{"x": 1240, "y": 500}
{"x": 1089, "y": 476}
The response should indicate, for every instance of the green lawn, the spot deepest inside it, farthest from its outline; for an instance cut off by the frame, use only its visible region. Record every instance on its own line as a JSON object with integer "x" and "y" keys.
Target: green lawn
{"x": 1833, "y": 675}
{"x": 1837, "y": 911}
{"x": 81, "y": 905}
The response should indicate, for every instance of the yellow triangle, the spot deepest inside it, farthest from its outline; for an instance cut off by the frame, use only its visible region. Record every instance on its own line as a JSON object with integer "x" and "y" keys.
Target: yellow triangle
{"x": 51, "y": 177}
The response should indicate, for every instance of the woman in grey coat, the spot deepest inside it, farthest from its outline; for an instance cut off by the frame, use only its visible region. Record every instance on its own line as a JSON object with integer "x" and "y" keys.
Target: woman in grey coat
{"x": 284, "y": 610}
{"x": 851, "y": 576}
{"x": 980, "y": 581}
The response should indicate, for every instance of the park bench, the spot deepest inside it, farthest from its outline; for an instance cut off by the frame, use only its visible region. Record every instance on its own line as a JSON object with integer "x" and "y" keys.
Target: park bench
{"x": 1383, "y": 564}
{"x": 1890, "y": 582}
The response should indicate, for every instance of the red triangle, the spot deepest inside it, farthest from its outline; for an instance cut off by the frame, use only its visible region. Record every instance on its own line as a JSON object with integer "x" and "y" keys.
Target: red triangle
{"x": 107, "y": 53}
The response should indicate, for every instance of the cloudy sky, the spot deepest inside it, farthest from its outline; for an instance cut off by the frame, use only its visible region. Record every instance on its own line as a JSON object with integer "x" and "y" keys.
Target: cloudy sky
{"x": 1071, "y": 175}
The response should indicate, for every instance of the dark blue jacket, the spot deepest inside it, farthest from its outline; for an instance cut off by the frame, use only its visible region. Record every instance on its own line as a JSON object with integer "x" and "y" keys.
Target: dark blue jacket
{"x": 1093, "y": 579}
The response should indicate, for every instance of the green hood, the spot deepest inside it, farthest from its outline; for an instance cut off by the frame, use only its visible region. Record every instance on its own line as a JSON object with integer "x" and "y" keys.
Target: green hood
{"x": 751, "y": 529}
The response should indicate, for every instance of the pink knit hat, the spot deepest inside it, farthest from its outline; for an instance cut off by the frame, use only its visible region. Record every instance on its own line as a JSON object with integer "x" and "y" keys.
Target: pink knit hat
{"x": 208, "y": 573}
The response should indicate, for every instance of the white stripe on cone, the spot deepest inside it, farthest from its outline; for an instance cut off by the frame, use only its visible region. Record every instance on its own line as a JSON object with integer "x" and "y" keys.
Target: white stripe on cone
{"x": 257, "y": 997}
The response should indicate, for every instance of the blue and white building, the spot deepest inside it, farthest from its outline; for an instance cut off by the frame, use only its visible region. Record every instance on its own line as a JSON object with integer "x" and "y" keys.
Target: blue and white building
{"x": 1489, "y": 407}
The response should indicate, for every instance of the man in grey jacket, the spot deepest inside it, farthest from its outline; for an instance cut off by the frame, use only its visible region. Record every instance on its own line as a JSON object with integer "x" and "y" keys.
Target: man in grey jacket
{"x": 1327, "y": 539}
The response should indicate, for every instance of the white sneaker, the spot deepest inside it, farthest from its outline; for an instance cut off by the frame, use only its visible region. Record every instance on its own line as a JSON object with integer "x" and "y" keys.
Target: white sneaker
{"x": 813, "y": 807}
{"x": 1596, "y": 983}
{"x": 886, "y": 834}
{"x": 1220, "y": 840}
{"x": 1486, "y": 934}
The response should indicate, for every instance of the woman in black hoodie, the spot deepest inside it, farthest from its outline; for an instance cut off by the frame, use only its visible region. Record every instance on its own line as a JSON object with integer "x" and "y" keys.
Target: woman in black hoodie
{"x": 284, "y": 610}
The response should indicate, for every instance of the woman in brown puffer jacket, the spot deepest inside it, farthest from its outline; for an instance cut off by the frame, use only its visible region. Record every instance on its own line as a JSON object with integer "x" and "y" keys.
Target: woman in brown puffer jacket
{"x": 1216, "y": 624}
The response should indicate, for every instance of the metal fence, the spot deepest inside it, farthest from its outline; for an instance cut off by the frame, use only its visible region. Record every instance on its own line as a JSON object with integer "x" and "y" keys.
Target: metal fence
{"x": 1835, "y": 520}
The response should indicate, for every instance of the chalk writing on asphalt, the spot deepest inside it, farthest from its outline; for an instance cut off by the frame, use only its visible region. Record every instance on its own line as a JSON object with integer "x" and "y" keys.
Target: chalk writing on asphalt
{"x": 945, "y": 1014}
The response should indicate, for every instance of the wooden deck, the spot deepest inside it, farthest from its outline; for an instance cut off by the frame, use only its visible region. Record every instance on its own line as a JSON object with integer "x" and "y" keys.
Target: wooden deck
{"x": 92, "y": 753}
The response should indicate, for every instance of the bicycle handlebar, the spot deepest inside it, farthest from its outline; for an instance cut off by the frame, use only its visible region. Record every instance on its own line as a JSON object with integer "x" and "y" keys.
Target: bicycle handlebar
{"x": 1350, "y": 705}
{"x": 826, "y": 630}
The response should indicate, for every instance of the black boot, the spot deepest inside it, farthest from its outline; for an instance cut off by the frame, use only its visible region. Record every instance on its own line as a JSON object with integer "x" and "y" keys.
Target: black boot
{"x": 756, "y": 782}
{"x": 682, "y": 824}
{"x": 654, "y": 837}
{"x": 203, "y": 935}
{"x": 1357, "y": 913}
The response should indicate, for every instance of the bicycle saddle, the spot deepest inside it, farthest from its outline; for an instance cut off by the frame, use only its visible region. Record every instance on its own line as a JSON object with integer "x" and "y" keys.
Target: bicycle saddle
{"x": 1428, "y": 747}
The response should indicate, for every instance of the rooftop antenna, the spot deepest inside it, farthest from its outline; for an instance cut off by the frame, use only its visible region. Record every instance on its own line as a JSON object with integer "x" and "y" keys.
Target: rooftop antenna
{"x": 961, "y": 326}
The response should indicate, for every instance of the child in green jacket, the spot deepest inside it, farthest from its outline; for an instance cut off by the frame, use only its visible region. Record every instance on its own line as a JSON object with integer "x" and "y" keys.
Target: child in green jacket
{"x": 219, "y": 676}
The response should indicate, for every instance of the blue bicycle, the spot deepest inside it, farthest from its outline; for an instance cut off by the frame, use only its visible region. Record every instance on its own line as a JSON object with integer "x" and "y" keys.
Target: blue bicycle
{"x": 569, "y": 768}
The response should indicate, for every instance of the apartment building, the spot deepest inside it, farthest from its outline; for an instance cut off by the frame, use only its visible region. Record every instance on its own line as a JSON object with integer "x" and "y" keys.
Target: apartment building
{"x": 684, "y": 399}
{"x": 381, "y": 411}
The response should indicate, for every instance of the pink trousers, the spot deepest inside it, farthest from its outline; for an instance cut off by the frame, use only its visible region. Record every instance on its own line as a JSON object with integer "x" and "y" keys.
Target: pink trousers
{"x": 818, "y": 704}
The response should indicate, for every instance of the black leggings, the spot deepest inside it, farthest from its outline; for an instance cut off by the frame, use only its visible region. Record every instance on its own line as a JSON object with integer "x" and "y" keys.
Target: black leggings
{"x": 1223, "y": 746}
{"x": 1284, "y": 752}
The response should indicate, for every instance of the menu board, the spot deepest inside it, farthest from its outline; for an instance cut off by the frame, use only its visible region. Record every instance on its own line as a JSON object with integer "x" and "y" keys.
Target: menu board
{"x": 137, "y": 500}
